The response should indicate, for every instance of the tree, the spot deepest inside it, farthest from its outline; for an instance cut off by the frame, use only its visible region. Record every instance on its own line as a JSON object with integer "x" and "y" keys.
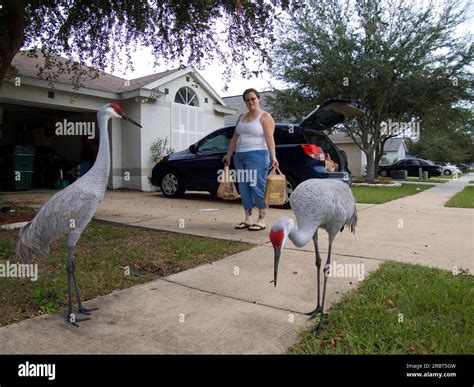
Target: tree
{"x": 447, "y": 138}
{"x": 400, "y": 60}
{"x": 94, "y": 32}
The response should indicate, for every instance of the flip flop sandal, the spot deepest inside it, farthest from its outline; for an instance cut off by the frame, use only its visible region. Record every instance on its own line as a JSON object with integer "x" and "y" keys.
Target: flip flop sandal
{"x": 242, "y": 225}
{"x": 256, "y": 227}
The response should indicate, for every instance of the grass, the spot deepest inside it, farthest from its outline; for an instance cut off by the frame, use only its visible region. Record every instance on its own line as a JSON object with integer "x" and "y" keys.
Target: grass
{"x": 438, "y": 179}
{"x": 471, "y": 181}
{"x": 105, "y": 255}
{"x": 399, "y": 309}
{"x": 463, "y": 199}
{"x": 379, "y": 195}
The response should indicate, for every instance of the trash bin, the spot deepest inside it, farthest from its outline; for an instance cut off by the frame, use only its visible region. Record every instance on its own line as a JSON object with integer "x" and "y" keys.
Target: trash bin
{"x": 400, "y": 174}
{"x": 18, "y": 163}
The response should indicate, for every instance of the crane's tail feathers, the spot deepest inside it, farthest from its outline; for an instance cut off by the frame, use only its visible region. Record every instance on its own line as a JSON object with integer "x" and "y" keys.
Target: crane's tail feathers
{"x": 24, "y": 245}
{"x": 351, "y": 222}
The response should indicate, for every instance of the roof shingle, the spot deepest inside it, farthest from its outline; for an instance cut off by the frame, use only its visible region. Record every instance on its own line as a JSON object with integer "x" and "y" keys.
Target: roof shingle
{"x": 28, "y": 66}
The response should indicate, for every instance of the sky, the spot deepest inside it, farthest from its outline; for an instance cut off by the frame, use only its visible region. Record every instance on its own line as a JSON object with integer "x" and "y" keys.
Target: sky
{"x": 212, "y": 72}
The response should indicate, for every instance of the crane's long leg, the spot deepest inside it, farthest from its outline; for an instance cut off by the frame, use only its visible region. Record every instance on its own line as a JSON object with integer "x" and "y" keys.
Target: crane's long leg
{"x": 78, "y": 296}
{"x": 71, "y": 276}
{"x": 70, "y": 316}
{"x": 315, "y": 312}
{"x": 328, "y": 262}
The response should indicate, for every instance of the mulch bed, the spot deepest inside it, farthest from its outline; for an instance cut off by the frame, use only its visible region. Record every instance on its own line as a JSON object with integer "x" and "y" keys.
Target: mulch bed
{"x": 14, "y": 216}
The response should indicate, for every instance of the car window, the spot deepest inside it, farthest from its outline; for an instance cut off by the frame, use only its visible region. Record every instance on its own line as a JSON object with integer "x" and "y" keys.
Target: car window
{"x": 218, "y": 141}
{"x": 416, "y": 163}
{"x": 404, "y": 162}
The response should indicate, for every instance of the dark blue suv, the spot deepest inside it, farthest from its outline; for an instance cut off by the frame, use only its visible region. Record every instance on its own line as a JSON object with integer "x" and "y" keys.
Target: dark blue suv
{"x": 303, "y": 152}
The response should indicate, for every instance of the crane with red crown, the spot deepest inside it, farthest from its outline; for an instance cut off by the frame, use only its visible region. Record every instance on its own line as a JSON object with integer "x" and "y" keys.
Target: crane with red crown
{"x": 317, "y": 203}
{"x": 69, "y": 211}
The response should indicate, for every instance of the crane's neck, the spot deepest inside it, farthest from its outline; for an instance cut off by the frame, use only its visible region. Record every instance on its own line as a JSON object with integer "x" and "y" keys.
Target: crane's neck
{"x": 300, "y": 238}
{"x": 101, "y": 168}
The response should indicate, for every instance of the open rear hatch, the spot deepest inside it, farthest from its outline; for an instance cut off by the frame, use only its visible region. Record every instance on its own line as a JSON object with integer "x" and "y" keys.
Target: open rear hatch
{"x": 331, "y": 112}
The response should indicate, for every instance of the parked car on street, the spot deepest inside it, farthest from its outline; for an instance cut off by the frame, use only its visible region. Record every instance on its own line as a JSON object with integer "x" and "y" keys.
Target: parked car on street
{"x": 301, "y": 150}
{"x": 449, "y": 169}
{"x": 463, "y": 167}
{"x": 412, "y": 167}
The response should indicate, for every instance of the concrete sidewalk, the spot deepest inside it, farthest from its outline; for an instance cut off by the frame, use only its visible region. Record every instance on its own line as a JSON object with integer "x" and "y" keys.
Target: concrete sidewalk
{"x": 230, "y": 306}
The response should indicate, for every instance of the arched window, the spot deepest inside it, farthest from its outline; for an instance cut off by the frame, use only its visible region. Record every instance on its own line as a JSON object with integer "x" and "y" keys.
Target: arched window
{"x": 186, "y": 96}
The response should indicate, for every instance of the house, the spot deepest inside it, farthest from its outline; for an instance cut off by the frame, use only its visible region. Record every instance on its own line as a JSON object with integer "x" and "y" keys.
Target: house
{"x": 355, "y": 156}
{"x": 394, "y": 149}
{"x": 178, "y": 105}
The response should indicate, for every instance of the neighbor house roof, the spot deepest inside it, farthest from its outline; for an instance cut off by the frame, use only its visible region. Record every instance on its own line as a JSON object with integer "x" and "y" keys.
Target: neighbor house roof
{"x": 393, "y": 144}
{"x": 341, "y": 138}
{"x": 238, "y": 103}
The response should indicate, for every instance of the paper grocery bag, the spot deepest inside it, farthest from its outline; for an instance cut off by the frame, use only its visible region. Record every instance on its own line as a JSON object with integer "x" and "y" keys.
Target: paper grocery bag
{"x": 275, "y": 192}
{"x": 227, "y": 188}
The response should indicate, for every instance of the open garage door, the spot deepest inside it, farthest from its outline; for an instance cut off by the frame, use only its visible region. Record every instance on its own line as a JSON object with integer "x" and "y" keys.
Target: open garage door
{"x": 186, "y": 125}
{"x": 56, "y": 154}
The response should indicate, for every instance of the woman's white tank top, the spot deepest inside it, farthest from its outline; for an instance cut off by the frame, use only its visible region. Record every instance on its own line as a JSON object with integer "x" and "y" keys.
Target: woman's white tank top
{"x": 251, "y": 135}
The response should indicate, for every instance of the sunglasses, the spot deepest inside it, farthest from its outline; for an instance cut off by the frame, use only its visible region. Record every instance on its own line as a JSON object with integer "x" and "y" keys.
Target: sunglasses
{"x": 250, "y": 99}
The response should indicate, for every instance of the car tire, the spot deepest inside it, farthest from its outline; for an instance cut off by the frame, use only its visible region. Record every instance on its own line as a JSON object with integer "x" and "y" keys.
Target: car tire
{"x": 447, "y": 172}
{"x": 383, "y": 173}
{"x": 171, "y": 184}
{"x": 290, "y": 186}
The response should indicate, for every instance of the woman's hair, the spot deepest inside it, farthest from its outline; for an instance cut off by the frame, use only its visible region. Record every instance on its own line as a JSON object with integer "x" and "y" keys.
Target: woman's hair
{"x": 251, "y": 91}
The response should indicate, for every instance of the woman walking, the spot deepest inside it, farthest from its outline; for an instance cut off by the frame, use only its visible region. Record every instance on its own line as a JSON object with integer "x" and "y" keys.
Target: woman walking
{"x": 254, "y": 148}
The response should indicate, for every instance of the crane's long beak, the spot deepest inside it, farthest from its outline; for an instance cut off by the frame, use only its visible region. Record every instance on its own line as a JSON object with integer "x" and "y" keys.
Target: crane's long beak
{"x": 275, "y": 265}
{"x": 132, "y": 121}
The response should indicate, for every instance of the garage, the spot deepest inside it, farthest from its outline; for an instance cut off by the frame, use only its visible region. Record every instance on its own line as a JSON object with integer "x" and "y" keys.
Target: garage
{"x": 48, "y": 140}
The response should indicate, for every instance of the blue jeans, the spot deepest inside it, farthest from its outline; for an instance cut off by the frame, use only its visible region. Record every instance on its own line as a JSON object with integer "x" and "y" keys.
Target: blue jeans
{"x": 252, "y": 170}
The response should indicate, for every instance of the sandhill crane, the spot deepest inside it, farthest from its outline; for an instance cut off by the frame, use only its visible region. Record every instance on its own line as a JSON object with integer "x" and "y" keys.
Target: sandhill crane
{"x": 317, "y": 203}
{"x": 69, "y": 211}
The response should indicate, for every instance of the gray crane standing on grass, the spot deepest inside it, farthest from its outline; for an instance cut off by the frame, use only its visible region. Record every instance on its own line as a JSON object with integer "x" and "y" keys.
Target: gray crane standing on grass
{"x": 317, "y": 203}
{"x": 69, "y": 211}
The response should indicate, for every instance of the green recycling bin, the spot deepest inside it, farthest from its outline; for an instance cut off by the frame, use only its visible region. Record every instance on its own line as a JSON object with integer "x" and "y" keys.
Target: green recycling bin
{"x": 18, "y": 163}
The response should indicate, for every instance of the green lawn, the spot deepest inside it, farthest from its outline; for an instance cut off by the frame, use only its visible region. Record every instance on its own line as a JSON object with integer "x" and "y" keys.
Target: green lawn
{"x": 439, "y": 179}
{"x": 463, "y": 199}
{"x": 399, "y": 309}
{"x": 379, "y": 195}
{"x": 103, "y": 255}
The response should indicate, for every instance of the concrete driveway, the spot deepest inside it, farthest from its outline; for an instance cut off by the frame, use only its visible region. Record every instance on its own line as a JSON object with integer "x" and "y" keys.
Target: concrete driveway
{"x": 230, "y": 306}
